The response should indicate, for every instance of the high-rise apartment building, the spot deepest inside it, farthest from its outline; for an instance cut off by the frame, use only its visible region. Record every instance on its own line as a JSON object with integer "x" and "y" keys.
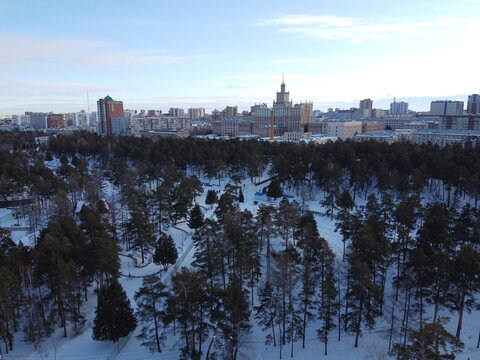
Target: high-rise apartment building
{"x": 473, "y": 105}
{"x": 108, "y": 109}
{"x": 38, "y": 120}
{"x": 399, "y": 108}
{"x": 446, "y": 107}
{"x": 196, "y": 113}
{"x": 55, "y": 121}
{"x": 230, "y": 111}
{"x": 176, "y": 112}
{"x": 81, "y": 119}
{"x": 366, "y": 104}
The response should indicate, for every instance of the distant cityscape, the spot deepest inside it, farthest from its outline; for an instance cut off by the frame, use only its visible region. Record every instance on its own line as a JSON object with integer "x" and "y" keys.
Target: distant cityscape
{"x": 448, "y": 122}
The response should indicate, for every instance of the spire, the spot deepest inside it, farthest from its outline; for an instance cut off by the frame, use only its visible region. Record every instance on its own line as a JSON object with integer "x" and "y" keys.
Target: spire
{"x": 282, "y": 87}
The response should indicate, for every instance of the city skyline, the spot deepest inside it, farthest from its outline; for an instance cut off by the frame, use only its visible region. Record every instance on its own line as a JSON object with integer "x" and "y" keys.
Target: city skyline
{"x": 212, "y": 54}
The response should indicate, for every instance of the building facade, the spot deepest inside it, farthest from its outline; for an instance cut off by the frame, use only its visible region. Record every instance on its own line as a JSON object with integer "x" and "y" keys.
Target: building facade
{"x": 38, "y": 120}
{"x": 176, "y": 112}
{"x": 286, "y": 116}
{"x": 366, "y": 104}
{"x": 107, "y": 109}
{"x": 399, "y": 108}
{"x": 196, "y": 113}
{"x": 446, "y": 107}
{"x": 55, "y": 121}
{"x": 473, "y": 104}
{"x": 464, "y": 122}
{"x": 343, "y": 129}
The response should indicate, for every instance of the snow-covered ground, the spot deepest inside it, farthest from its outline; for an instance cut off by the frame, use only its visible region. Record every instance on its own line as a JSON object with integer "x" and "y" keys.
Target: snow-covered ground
{"x": 373, "y": 345}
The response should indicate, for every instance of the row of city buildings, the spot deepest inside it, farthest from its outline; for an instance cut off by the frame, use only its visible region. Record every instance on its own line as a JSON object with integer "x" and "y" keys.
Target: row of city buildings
{"x": 447, "y": 121}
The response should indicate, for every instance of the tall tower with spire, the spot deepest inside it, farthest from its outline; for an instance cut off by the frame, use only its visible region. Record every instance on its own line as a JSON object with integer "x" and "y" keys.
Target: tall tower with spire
{"x": 283, "y": 97}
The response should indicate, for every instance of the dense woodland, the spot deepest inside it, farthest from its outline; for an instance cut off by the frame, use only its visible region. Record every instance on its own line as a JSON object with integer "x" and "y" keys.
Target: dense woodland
{"x": 407, "y": 257}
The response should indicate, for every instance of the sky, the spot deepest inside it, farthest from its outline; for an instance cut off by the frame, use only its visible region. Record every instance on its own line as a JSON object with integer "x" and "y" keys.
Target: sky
{"x": 157, "y": 54}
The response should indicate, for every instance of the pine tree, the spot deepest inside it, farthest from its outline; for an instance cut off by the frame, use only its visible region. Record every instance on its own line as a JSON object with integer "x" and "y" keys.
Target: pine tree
{"x": 266, "y": 311}
{"x": 345, "y": 200}
{"x": 165, "y": 251}
{"x": 8, "y": 287}
{"x": 59, "y": 260}
{"x": 234, "y": 322}
{"x": 211, "y": 197}
{"x": 330, "y": 202}
{"x": 138, "y": 227}
{"x": 101, "y": 255}
{"x": 114, "y": 317}
{"x": 274, "y": 189}
{"x": 265, "y": 228}
{"x": 150, "y": 312}
{"x": 187, "y": 305}
{"x": 328, "y": 304}
{"x": 241, "y": 198}
{"x": 196, "y": 217}
{"x": 431, "y": 341}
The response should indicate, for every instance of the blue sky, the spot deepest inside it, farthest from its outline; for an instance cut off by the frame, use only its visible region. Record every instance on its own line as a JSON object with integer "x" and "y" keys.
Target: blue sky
{"x": 160, "y": 54}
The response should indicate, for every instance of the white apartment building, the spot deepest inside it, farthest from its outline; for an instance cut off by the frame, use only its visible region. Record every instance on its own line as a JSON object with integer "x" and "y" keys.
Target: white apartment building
{"x": 343, "y": 129}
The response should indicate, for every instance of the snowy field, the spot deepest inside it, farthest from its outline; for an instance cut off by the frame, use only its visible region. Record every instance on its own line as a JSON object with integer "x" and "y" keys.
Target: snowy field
{"x": 373, "y": 345}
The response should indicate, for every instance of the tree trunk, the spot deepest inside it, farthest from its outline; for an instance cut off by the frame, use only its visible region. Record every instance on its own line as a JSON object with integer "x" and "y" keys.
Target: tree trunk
{"x": 460, "y": 315}
{"x": 392, "y": 320}
{"x": 346, "y": 303}
{"x": 359, "y": 323}
{"x": 156, "y": 331}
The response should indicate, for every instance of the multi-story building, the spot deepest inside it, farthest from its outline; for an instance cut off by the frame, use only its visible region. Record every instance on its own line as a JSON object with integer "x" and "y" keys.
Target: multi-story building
{"x": 196, "y": 113}
{"x": 55, "y": 121}
{"x": 446, "y": 107}
{"x": 446, "y": 137}
{"x": 121, "y": 126}
{"x": 387, "y": 136}
{"x": 141, "y": 124}
{"x": 343, "y": 129}
{"x": 473, "y": 105}
{"x": 254, "y": 108}
{"x": 372, "y": 126}
{"x": 366, "y": 104}
{"x": 234, "y": 126}
{"x": 465, "y": 122}
{"x": 399, "y": 108}
{"x": 81, "y": 119}
{"x": 108, "y": 109}
{"x": 378, "y": 113}
{"x": 403, "y": 122}
{"x": 286, "y": 117}
{"x": 38, "y": 120}
{"x": 129, "y": 113}
{"x": 296, "y": 136}
{"x": 69, "y": 119}
{"x": 176, "y": 112}
{"x": 351, "y": 114}
{"x": 230, "y": 111}
{"x": 317, "y": 126}
{"x": 93, "y": 119}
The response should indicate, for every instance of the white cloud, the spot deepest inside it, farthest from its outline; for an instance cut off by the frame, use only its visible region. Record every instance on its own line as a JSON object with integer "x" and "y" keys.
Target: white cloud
{"x": 21, "y": 49}
{"x": 359, "y": 30}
